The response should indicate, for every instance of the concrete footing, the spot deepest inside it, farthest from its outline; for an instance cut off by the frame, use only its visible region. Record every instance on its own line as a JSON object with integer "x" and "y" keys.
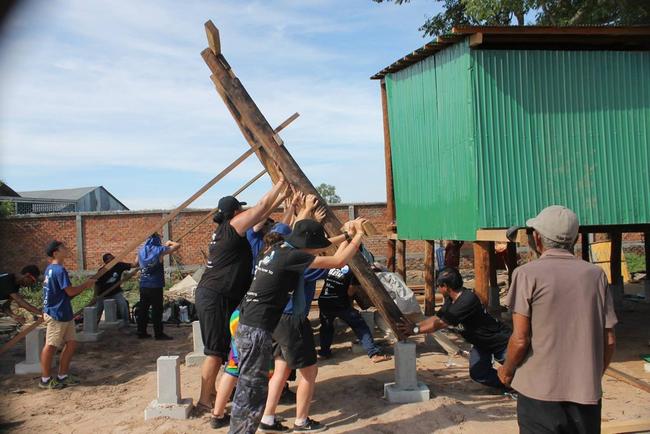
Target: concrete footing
{"x": 169, "y": 402}
{"x": 196, "y": 357}
{"x": 110, "y": 320}
{"x": 34, "y": 342}
{"x": 90, "y": 331}
{"x": 406, "y": 387}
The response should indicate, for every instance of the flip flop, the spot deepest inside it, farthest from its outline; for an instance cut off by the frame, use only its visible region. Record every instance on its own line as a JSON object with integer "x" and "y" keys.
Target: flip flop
{"x": 378, "y": 358}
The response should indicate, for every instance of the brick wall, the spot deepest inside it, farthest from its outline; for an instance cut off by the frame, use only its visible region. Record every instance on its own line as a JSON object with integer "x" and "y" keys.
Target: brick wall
{"x": 23, "y": 238}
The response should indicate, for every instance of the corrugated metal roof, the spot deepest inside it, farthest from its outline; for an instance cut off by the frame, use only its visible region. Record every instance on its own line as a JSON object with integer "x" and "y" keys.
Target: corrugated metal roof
{"x": 539, "y": 37}
{"x": 63, "y": 194}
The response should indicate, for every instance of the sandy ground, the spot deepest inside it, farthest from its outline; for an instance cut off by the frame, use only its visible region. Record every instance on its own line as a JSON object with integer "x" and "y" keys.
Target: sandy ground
{"x": 119, "y": 381}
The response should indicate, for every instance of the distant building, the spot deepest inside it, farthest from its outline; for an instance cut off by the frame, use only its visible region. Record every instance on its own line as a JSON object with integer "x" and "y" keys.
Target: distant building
{"x": 64, "y": 200}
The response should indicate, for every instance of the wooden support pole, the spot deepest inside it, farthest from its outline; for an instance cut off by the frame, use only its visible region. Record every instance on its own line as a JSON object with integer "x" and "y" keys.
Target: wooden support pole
{"x": 511, "y": 260}
{"x": 401, "y": 258}
{"x": 140, "y": 239}
{"x": 615, "y": 270}
{"x": 482, "y": 271}
{"x": 390, "y": 190}
{"x": 646, "y": 251}
{"x": 429, "y": 278}
{"x": 584, "y": 246}
{"x": 256, "y": 129}
{"x": 493, "y": 297}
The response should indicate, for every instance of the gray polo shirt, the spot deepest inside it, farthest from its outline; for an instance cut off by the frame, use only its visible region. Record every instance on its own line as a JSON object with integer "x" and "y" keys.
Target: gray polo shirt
{"x": 569, "y": 306}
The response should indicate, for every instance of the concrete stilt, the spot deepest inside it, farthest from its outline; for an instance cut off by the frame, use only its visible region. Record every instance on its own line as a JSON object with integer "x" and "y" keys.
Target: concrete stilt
{"x": 168, "y": 402}
{"x": 90, "y": 331}
{"x": 196, "y": 357}
{"x": 110, "y": 320}
{"x": 34, "y": 343}
{"x": 406, "y": 387}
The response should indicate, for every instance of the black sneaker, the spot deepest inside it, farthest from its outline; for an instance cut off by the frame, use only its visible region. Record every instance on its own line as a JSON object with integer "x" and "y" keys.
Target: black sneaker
{"x": 219, "y": 422}
{"x": 52, "y": 383}
{"x": 288, "y": 397}
{"x": 276, "y": 427}
{"x": 310, "y": 426}
{"x": 163, "y": 337}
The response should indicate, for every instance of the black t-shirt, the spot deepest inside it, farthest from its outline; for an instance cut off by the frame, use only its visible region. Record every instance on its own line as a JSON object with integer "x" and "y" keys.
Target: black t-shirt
{"x": 276, "y": 277}
{"x": 8, "y": 285}
{"x": 109, "y": 279}
{"x": 230, "y": 257}
{"x": 477, "y": 326}
{"x": 334, "y": 295}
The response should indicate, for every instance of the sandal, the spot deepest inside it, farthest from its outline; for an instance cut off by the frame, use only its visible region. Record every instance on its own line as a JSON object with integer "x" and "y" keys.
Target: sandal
{"x": 378, "y": 358}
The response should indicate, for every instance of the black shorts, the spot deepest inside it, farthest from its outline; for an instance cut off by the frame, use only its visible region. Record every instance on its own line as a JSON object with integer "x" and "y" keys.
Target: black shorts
{"x": 214, "y": 310}
{"x": 293, "y": 341}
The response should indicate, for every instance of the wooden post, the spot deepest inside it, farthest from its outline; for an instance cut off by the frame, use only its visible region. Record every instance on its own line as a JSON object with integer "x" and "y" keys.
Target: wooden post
{"x": 511, "y": 260}
{"x": 256, "y": 129}
{"x": 584, "y": 246}
{"x": 482, "y": 271}
{"x": 429, "y": 278}
{"x": 401, "y": 258}
{"x": 646, "y": 245}
{"x": 493, "y": 298}
{"x": 615, "y": 270}
{"x": 390, "y": 190}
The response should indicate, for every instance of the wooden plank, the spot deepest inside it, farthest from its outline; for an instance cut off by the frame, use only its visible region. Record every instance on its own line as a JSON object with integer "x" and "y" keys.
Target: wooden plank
{"x": 429, "y": 278}
{"x": 482, "y": 271}
{"x": 498, "y": 235}
{"x": 401, "y": 259}
{"x": 390, "y": 190}
{"x": 140, "y": 239}
{"x": 601, "y": 254}
{"x": 625, "y": 426}
{"x": 259, "y": 131}
{"x": 214, "y": 42}
{"x": 626, "y": 378}
{"x": 475, "y": 39}
{"x": 584, "y": 246}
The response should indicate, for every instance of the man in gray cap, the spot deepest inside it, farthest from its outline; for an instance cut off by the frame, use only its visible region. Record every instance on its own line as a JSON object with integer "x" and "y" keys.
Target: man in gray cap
{"x": 563, "y": 332}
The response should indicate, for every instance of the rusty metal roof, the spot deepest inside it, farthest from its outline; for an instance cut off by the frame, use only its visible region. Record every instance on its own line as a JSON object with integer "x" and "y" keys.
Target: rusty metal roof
{"x": 531, "y": 37}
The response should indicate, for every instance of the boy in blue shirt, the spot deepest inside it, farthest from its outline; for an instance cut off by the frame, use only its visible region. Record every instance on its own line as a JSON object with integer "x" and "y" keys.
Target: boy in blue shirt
{"x": 58, "y": 317}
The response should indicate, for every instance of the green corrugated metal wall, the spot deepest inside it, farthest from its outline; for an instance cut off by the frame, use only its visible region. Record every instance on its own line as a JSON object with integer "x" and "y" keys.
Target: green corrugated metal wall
{"x": 486, "y": 138}
{"x": 430, "y": 179}
{"x": 569, "y": 127}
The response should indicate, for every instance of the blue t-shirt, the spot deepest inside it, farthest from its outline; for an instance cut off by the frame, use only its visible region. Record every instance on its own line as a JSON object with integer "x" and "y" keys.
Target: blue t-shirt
{"x": 256, "y": 240}
{"x": 311, "y": 276}
{"x": 153, "y": 276}
{"x": 56, "y": 302}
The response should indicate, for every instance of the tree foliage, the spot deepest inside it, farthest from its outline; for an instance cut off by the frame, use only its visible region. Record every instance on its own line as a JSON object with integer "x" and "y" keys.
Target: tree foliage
{"x": 328, "y": 192}
{"x": 545, "y": 12}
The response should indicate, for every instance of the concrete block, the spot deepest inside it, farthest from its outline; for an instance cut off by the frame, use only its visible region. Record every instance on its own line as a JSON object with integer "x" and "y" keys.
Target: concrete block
{"x": 110, "y": 320}
{"x": 34, "y": 342}
{"x": 90, "y": 331}
{"x": 196, "y": 357}
{"x": 169, "y": 402}
{"x": 369, "y": 318}
{"x": 406, "y": 387}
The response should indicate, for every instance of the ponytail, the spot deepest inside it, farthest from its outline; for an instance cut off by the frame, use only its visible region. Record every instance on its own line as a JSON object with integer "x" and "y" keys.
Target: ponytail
{"x": 221, "y": 217}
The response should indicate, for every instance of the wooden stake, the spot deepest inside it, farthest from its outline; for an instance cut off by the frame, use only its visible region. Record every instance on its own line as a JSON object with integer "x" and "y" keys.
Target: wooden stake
{"x": 482, "y": 271}
{"x": 584, "y": 246}
{"x": 256, "y": 129}
{"x": 626, "y": 378}
{"x": 429, "y": 278}
{"x": 390, "y": 190}
{"x": 401, "y": 258}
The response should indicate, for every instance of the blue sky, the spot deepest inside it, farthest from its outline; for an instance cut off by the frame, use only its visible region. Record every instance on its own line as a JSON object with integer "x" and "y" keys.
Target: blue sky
{"x": 115, "y": 93}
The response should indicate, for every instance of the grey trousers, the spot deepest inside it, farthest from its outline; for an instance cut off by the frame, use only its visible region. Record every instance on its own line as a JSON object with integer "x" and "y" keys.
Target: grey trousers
{"x": 255, "y": 356}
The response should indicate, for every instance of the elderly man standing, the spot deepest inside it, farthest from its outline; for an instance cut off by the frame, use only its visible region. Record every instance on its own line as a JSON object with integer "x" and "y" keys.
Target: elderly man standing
{"x": 563, "y": 332}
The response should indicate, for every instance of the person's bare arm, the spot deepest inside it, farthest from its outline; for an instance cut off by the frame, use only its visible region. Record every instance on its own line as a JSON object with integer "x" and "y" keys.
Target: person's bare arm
{"x": 20, "y": 301}
{"x": 306, "y": 212}
{"x": 247, "y": 219}
{"x": 278, "y": 201}
{"x": 342, "y": 256}
{"x": 428, "y": 325}
{"x": 73, "y": 291}
{"x": 173, "y": 246}
{"x": 610, "y": 346}
{"x": 517, "y": 347}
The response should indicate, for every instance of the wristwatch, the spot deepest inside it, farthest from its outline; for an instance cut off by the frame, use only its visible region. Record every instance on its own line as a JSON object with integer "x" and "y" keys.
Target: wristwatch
{"x": 348, "y": 238}
{"x": 416, "y": 329}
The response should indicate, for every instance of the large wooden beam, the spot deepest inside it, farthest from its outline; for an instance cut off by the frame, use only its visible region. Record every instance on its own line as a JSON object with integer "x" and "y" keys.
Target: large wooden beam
{"x": 429, "y": 278}
{"x": 259, "y": 131}
{"x": 390, "y": 189}
{"x": 482, "y": 271}
{"x": 400, "y": 266}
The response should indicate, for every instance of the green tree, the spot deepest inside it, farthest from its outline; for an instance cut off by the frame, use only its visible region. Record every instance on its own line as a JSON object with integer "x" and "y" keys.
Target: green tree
{"x": 7, "y": 208}
{"x": 546, "y": 12}
{"x": 328, "y": 192}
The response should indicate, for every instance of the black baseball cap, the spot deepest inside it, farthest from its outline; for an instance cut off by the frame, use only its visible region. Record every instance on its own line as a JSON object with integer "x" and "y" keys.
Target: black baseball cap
{"x": 308, "y": 234}
{"x": 229, "y": 204}
{"x": 52, "y": 247}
